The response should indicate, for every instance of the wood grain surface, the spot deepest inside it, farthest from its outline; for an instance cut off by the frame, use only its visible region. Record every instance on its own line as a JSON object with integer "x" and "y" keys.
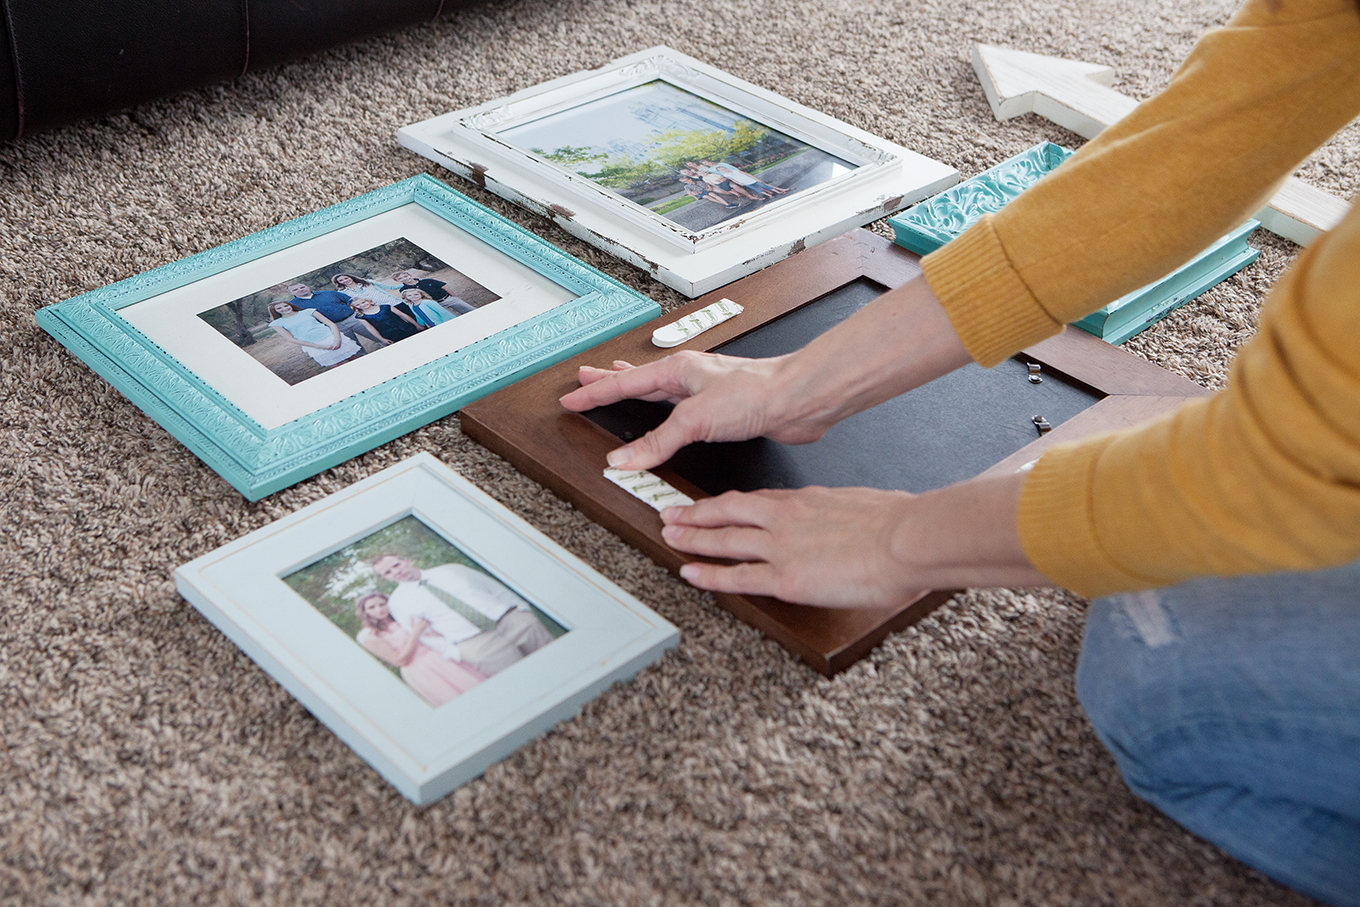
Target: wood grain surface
{"x": 566, "y": 451}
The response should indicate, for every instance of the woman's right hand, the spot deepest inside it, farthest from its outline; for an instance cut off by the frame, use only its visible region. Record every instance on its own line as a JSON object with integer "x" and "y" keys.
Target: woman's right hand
{"x": 716, "y": 397}
{"x": 895, "y": 343}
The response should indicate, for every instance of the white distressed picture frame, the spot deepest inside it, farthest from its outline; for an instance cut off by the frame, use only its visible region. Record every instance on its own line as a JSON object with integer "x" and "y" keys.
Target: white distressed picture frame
{"x": 887, "y": 178}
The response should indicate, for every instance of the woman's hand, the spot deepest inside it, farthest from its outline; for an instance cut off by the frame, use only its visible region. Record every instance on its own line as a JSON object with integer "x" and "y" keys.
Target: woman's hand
{"x": 895, "y": 343}
{"x": 334, "y": 343}
{"x": 817, "y": 546}
{"x": 717, "y": 398}
{"x": 418, "y": 627}
{"x": 854, "y": 547}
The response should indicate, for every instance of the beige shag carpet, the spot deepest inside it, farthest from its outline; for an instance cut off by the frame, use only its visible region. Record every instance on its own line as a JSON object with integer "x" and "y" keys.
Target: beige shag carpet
{"x": 145, "y": 760}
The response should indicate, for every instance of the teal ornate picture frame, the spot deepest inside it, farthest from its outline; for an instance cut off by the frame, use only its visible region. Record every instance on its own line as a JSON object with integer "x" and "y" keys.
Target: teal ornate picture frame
{"x": 152, "y": 336}
{"x": 936, "y": 221}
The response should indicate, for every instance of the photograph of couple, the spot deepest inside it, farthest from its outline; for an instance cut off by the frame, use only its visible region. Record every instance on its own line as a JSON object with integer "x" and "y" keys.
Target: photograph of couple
{"x": 694, "y": 162}
{"x": 305, "y": 326}
{"x": 425, "y": 609}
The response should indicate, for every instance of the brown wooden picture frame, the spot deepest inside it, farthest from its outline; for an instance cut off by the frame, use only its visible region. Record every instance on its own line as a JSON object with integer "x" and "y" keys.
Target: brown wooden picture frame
{"x": 566, "y": 451}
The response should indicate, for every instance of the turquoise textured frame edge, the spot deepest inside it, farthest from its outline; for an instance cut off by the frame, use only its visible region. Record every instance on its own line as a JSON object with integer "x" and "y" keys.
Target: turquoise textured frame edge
{"x": 937, "y": 220}
{"x": 934, "y": 222}
{"x": 258, "y": 461}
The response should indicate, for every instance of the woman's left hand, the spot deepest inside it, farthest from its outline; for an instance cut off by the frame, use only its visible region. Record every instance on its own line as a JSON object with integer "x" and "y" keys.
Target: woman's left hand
{"x": 854, "y": 547}
{"x": 832, "y": 547}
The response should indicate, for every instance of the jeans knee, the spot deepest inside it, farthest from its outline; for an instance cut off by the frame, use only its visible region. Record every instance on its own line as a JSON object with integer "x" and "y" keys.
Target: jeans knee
{"x": 1105, "y": 672}
{"x": 1122, "y": 685}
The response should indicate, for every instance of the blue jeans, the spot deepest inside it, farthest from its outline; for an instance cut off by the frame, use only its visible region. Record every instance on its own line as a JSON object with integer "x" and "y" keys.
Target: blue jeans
{"x": 1234, "y": 707}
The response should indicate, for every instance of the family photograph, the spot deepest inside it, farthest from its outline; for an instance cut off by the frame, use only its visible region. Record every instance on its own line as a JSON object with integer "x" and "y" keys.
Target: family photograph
{"x": 307, "y": 325}
{"x": 426, "y": 610}
{"x": 682, "y": 156}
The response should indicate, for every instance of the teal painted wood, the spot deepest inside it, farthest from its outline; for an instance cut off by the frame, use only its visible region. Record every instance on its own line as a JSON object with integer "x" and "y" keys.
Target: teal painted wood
{"x": 259, "y": 461}
{"x": 934, "y": 222}
{"x": 1142, "y": 308}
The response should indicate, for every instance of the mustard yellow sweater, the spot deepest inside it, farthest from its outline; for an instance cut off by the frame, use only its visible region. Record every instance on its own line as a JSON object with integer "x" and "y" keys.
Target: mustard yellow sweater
{"x": 1265, "y": 475}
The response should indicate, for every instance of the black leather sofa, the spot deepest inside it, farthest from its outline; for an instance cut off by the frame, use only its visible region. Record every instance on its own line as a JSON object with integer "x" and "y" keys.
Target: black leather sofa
{"x": 61, "y": 60}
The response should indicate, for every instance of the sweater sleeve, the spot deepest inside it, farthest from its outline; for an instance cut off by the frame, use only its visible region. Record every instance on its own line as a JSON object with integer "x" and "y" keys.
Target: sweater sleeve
{"x": 1253, "y": 99}
{"x": 1265, "y": 475}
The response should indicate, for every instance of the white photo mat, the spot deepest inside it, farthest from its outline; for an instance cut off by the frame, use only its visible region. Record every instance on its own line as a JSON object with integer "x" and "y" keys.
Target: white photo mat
{"x": 169, "y": 319}
{"x": 424, "y": 752}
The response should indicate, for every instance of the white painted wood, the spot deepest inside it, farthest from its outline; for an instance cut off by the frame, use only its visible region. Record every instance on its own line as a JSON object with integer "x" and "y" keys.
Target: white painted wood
{"x": 887, "y": 177}
{"x": 1073, "y": 94}
{"x": 1077, "y": 96}
{"x": 1301, "y": 212}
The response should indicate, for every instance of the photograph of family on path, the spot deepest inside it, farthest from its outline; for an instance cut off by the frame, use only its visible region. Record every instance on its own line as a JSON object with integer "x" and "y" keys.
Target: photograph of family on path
{"x": 425, "y": 609}
{"x": 305, "y": 326}
{"x": 688, "y": 159}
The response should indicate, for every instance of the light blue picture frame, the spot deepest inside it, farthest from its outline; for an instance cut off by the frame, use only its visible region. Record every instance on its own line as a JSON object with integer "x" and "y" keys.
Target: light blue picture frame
{"x": 257, "y": 460}
{"x": 936, "y": 221}
{"x": 424, "y": 751}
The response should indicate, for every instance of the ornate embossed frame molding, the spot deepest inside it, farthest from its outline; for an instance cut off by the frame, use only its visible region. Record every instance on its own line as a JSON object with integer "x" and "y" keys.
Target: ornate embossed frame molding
{"x": 888, "y": 176}
{"x": 258, "y": 460}
{"x": 934, "y": 222}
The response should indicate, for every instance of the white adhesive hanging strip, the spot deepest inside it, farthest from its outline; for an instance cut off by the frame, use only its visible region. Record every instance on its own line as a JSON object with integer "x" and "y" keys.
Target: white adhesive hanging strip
{"x": 695, "y": 323}
{"x": 648, "y": 488}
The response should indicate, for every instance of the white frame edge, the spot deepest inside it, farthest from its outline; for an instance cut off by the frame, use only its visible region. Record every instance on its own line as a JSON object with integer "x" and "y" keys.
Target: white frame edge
{"x": 890, "y": 177}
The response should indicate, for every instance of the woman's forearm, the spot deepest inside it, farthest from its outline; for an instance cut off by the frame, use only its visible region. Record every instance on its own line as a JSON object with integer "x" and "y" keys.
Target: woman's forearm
{"x": 408, "y": 649}
{"x": 965, "y": 535}
{"x": 854, "y": 547}
{"x": 896, "y": 343}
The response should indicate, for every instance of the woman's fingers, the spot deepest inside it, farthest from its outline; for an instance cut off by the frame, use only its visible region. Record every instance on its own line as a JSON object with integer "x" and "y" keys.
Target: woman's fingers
{"x": 732, "y": 508}
{"x": 589, "y": 374}
{"x": 685, "y": 425}
{"x": 737, "y": 542}
{"x": 717, "y": 398}
{"x": 665, "y": 379}
{"x": 744, "y": 579}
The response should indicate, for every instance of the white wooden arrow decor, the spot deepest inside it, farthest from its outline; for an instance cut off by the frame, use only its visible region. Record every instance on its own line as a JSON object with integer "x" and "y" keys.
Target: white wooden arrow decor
{"x": 1077, "y": 96}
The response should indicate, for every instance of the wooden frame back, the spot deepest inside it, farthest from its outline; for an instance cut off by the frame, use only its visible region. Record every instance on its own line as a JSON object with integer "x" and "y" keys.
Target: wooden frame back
{"x": 566, "y": 451}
